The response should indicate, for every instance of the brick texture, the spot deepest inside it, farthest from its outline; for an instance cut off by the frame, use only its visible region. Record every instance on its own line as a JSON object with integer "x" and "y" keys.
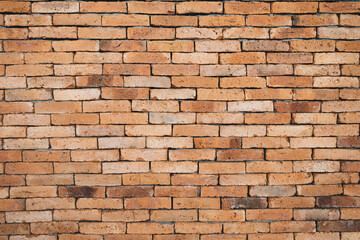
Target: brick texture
{"x": 179, "y": 120}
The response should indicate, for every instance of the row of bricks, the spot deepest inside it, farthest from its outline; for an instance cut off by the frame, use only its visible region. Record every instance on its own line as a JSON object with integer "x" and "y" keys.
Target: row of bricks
{"x": 220, "y": 155}
{"x": 181, "y": 7}
{"x": 167, "y": 112}
{"x": 280, "y": 173}
{"x": 302, "y": 229}
{"x": 172, "y": 142}
{"x": 186, "y": 198}
{"x": 124, "y": 20}
{"x": 253, "y": 236}
{"x": 181, "y": 58}
{"x": 179, "y": 69}
{"x": 178, "y": 215}
{"x": 350, "y": 33}
{"x": 178, "y": 82}
{"x": 178, "y": 46}
{"x": 186, "y": 94}
{"x": 338, "y": 130}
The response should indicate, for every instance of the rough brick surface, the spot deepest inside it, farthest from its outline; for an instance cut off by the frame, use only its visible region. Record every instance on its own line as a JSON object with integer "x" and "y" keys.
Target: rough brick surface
{"x": 179, "y": 120}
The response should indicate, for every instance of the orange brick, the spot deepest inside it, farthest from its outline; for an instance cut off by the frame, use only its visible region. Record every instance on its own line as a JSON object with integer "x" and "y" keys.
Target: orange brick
{"x": 224, "y": 191}
{"x": 58, "y": 131}
{"x": 12, "y": 204}
{"x": 147, "y": 81}
{"x": 151, "y": 8}
{"x": 270, "y": 70}
{"x": 260, "y": 166}
{"x": 124, "y": 118}
{"x": 268, "y": 214}
{"x": 78, "y": 69}
{"x": 246, "y": 32}
{"x": 52, "y": 32}
{"x": 106, "y": 106}
{"x": 170, "y": 46}
{"x": 77, "y": 19}
{"x": 335, "y": 178}
{"x": 146, "y": 179}
{"x": 15, "y": 7}
{"x": 198, "y": 227}
{"x": 125, "y": 215}
{"x": 246, "y": 8}
{"x": 316, "y": 20}
{"x": 16, "y": 228}
{"x": 221, "y": 215}
{"x": 173, "y": 215}
{"x": 221, "y": 118}
{"x": 50, "y": 180}
{"x": 127, "y": 69}
{"x": 102, "y": 7}
{"x": 14, "y": 33}
{"x": 267, "y": 118}
{"x": 122, "y": 45}
{"x": 174, "y": 167}
{"x": 242, "y": 58}
{"x": 347, "y": 46}
{"x": 23, "y": 143}
{"x": 265, "y": 45}
{"x": 57, "y": 227}
{"x": 139, "y": 57}
{"x": 99, "y": 81}
{"x": 98, "y": 57}
{"x": 338, "y": 33}
{"x": 102, "y": 33}
{"x": 222, "y": 70}
{"x": 28, "y": 168}
{"x": 302, "y": 130}
{"x": 173, "y": 21}
{"x": 345, "y": 7}
{"x": 29, "y": 70}
{"x": 288, "y": 7}
{"x": 289, "y": 81}
{"x": 27, "y": 46}
{"x": 293, "y": 226}
{"x": 198, "y": 33}
{"x": 11, "y": 58}
{"x": 194, "y": 179}
{"x": 74, "y": 118}
{"x": 144, "y": 154}
{"x": 290, "y": 178}
{"x": 242, "y": 131}
{"x": 176, "y": 191}
{"x": 318, "y": 235}
{"x": 220, "y": 168}
{"x": 51, "y": 82}
{"x": 312, "y": 45}
{"x": 317, "y": 70}
{"x": 313, "y": 142}
{"x": 148, "y": 203}
{"x": 178, "y": 69}
{"x": 77, "y": 167}
{"x": 102, "y": 228}
{"x": 319, "y": 190}
{"x": 6, "y": 132}
{"x": 124, "y": 93}
{"x": 289, "y": 58}
{"x": 75, "y": 45}
{"x": 268, "y": 20}
{"x": 314, "y": 118}
{"x": 292, "y": 202}
{"x": 221, "y": 21}
{"x": 191, "y": 154}
{"x": 73, "y": 143}
{"x": 33, "y": 191}
{"x": 78, "y": 214}
{"x": 125, "y": 20}
{"x": 151, "y": 33}
{"x": 316, "y": 214}
{"x": 166, "y": 94}
{"x": 150, "y": 228}
{"x": 10, "y": 180}
{"x": 246, "y": 227}
{"x": 240, "y": 154}
{"x": 58, "y": 107}
{"x": 243, "y": 179}
{"x": 272, "y": 191}
{"x": 121, "y": 142}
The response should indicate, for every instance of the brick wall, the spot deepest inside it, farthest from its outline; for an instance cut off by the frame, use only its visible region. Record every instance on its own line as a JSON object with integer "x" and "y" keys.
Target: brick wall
{"x": 133, "y": 120}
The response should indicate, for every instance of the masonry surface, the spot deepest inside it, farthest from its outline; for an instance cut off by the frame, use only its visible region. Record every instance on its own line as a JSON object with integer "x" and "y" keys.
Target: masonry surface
{"x": 186, "y": 120}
